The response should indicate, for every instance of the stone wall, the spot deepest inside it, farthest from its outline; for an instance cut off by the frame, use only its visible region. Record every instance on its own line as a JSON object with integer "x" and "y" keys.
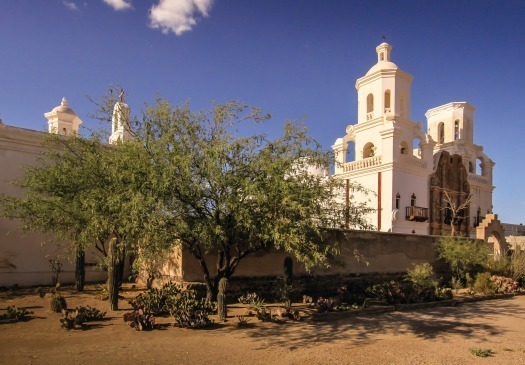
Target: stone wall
{"x": 385, "y": 253}
{"x": 22, "y": 257}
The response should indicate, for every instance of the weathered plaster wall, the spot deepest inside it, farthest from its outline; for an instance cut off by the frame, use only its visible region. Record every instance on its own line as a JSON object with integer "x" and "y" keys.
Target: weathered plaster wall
{"x": 384, "y": 252}
{"x": 22, "y": 258}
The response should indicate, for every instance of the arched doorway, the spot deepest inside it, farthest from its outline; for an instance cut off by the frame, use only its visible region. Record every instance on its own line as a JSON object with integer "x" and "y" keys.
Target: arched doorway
{"x": 491, "y": 230}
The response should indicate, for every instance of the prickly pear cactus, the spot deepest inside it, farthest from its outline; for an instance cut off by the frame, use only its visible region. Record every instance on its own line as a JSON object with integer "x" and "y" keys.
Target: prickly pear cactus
{"x": 221, "y": 299}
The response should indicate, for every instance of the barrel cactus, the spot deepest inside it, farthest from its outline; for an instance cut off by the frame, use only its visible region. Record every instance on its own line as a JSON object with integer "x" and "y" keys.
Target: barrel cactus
{"x": 221, "y": 299}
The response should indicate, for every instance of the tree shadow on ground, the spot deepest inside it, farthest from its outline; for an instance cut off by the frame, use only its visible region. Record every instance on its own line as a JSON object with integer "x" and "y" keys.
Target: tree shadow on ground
{"x": 465, "y": 320}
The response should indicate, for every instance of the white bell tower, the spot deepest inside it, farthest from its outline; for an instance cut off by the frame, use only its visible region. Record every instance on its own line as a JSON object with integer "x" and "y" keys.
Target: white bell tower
{"x": 63, "y": 120}
{"x": 120, "y": 127}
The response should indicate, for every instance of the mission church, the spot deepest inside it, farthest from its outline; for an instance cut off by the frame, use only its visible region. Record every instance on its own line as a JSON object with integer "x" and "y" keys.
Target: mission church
{"x": 418, "y": 178}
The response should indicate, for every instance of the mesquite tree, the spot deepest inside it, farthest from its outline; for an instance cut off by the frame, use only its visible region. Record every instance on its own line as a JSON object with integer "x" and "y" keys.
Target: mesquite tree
{"x": 220, "y": 193}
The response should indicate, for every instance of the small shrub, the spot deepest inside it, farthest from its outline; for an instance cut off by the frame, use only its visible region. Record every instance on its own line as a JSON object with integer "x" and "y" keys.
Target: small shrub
{"x": 139, "y": 320}
{"x": 463, "y": 255}
{"x": 476, "y": 351}
{"x": 500, "y": 266}
{"x": 456, "y": 284}
{"x": 517, "y": 265}
{"x": 422, "y": 275}
{"x": 248, "y": 298}
{"x": 443, "y": 294}
{"x": 91, "y": 313}
{"x": 484, "y": 284}
{"x": 392, "y": 292}
{"x": 169, "y": 299}
{"x": 193, "y": 319}
{"x": 14, "y": 314}
{"x": 242, "y": 321}
{"x": 326, "y": 305}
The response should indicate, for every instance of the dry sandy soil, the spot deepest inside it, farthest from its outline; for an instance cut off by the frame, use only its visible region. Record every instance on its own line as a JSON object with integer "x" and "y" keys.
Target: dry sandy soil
{"x": 431, "y": 336}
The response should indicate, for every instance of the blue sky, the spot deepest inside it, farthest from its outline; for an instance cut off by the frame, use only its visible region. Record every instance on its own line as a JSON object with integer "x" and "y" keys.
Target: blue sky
{"x": 293, "y": 58}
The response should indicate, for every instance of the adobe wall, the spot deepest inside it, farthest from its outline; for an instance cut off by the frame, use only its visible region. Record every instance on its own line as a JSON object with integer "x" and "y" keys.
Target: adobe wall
{"x": 386, "y": 253}
{"x": 22, "y": 258}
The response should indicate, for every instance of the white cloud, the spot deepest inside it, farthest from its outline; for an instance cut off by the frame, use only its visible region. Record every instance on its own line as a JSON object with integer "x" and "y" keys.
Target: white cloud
{"x": 70, "y": 5}
{"x": 178, "y": 16}
{"x": 119, "y": 4}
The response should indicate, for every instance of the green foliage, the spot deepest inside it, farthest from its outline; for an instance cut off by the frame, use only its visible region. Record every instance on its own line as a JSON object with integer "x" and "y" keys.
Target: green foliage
{"x": 456, "y": 284}
{"x": 463, "y": 255}
{"x": 500, "y": 266}
{"x": 422, "y": 275}
{"x": 221, "y": 193}
{"x": 517, "y": 265}
{"x": 188, "y": 178}
{"x": 443, "y": 294}
{"x": 14, "y": 314}
{"x": 484, "y": 284}
{"x": 419, "y": 286}
{"x": 169, "y": 299}
{"x": 480, "y": 352}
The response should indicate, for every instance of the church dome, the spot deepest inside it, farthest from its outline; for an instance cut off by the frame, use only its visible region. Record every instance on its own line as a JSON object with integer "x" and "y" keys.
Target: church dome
{"x": 383, "y": 59}
{"x": 382, "y": 65}
{"x": 63, "y": 108}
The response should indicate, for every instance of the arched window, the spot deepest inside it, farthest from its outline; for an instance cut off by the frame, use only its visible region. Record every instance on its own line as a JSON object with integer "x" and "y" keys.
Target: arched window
{"x": 370, "y": 103}
{"x": 413, "y": 200}
{"x": 64, "y": 131}
{"x": 382, "y": 56}
{"x": 398, "y": 199}
{"x": 456, "y": 130}
{"x": 369, "y": 150}
{"x": 404, "y": 148}
{"x": 441, "y": 133}
{"x": 387, "y": 101}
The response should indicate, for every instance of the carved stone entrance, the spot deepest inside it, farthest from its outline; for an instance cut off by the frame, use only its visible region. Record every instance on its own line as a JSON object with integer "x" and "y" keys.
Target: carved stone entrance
{"x": 449, "y": 177}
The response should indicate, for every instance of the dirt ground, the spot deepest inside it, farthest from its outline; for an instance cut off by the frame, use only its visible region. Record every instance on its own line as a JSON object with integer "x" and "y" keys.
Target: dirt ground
{"x": 432, "y": 336}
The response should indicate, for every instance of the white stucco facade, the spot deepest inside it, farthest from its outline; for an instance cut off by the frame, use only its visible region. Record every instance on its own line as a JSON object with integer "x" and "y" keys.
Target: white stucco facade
{"x": 394, "y": 157}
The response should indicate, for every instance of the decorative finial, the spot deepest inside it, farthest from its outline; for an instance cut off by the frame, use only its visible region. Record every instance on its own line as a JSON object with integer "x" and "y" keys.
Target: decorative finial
{"x": 121, "y": 95}
{"x": 64, "y": 102}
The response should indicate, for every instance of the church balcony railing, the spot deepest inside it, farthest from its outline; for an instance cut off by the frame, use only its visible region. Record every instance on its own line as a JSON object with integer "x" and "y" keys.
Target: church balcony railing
{"x": 362, "y": 164}
{"x": 478, "y": 178}
{"x": 369, "y": 116}
{"x": 387, "y": 110}
{"x": 417, "y": 214}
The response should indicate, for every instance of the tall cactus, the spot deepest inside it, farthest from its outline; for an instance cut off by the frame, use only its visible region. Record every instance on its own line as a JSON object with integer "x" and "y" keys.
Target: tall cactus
{"x": 288, "y": 281}
{"x": 221, "y": 299}
{"x": 80, "y": 271}
{"x": 113, "y": 275}
{"x": 288, "y": 271}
